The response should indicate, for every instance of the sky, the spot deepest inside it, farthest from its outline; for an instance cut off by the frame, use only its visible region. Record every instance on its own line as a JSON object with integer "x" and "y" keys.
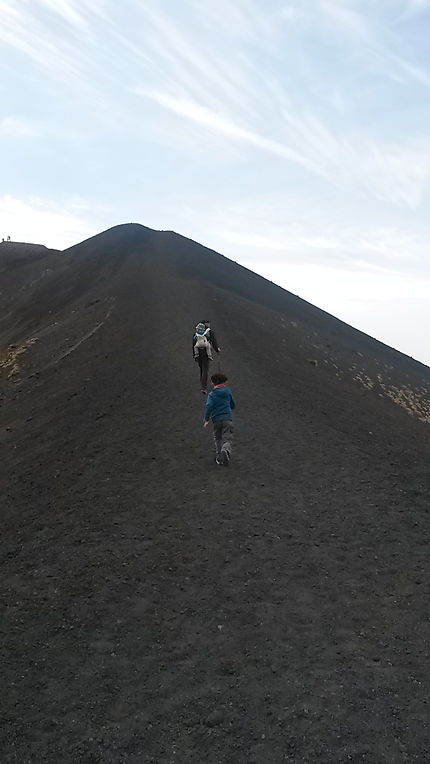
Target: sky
{"x": 292, "y": 136}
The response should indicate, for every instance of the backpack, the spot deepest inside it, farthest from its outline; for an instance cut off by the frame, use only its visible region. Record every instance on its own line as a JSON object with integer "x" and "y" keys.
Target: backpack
{"x": 202, "y": 340}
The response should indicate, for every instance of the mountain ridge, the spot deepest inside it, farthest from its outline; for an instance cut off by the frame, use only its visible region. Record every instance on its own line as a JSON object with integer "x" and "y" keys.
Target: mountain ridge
{"x": 136, "y": 228}
{"x": 162, "y": 607}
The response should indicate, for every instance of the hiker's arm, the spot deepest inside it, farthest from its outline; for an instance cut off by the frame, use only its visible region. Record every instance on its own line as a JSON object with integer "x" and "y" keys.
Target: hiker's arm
{"x": 232, "y": 402}
{"x": 214, "y": 343}
{"x": 208, "y": 408}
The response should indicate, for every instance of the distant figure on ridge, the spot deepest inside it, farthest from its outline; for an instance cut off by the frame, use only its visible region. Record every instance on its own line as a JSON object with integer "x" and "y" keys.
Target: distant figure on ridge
{"x": 219, "y": 407}
{"x": 203, "y": 341}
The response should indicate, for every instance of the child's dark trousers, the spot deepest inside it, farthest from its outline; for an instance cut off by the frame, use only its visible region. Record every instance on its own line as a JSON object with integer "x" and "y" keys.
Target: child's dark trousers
{"x": 223, "y": 437}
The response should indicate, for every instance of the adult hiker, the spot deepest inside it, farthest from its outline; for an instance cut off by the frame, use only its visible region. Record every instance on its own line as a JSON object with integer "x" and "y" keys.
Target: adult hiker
{"x": 204, "y": 341}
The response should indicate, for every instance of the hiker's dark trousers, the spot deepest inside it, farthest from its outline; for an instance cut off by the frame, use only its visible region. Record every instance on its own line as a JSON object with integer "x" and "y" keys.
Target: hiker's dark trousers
{"x": 223, "y": 436}
{"x": 203, "y": 361}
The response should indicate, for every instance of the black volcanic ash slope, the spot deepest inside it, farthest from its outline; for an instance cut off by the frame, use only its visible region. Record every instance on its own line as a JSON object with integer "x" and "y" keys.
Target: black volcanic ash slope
{"x": 159, "y": 609}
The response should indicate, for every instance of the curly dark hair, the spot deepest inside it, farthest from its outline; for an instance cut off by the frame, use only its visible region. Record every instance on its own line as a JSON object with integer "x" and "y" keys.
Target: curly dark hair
{"x": 219, "y": 378}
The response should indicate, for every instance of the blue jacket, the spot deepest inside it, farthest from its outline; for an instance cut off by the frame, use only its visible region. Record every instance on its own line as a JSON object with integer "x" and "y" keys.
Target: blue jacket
{"x": 220, "y": 404}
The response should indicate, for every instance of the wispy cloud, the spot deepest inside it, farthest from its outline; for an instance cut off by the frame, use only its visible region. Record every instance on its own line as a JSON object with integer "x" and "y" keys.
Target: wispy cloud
{"x": 57, "y": 35}
{"x": 219, "y": 123}
{"x": 294, "y": 13}
{"x": 290, "y": 230}
{"x": 397, "y": 172}
{"x": 346, "y": 17}
{"x": 12, "y": 127}
{"x": 416, "y": 7}
{"x": 66, "y": 9}
{"x": 45, "y": 222}
{"x": 318, "y": 99}
{"x": 222, "y": 67}
{"x": 27, "y": 31}
{"x": 365, "y": 31}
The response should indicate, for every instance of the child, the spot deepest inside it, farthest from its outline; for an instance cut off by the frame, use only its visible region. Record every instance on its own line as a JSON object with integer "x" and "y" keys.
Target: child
{"x": 219, "y": 407}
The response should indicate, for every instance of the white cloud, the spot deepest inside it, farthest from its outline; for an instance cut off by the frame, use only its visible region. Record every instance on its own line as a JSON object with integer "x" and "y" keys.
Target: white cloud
{"x": 203, "y": 85}
{"x": 416, "y": 7}
{"x": 41, "y": 222}
{"x": 396, "y": 171}
{"x": 398, "y": 68}
{"x": 399, "y": 173}
{"x": 67, "y": 10}
{"x": 365, "y": 27}
{"x": 294, "y": 13}
{"x": 393, "y": 308}
{"x": 30, "y": 29}
{"x": 12, "y": 127}
{"x": 220, "y": 123}
{"x": 284, "y": 229}
{"x": 345, "y": 16}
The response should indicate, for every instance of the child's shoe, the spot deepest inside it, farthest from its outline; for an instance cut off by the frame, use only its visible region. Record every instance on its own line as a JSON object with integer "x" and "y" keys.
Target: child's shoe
{"x": 224, "y": 458}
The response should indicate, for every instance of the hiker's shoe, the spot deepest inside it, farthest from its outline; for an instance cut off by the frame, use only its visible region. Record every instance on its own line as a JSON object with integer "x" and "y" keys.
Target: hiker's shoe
{"x": 217, "y": 460}
{"x": 224, "y": 458}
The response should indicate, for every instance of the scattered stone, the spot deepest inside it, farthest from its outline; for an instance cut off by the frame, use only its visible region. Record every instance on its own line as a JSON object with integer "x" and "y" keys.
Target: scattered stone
{"x": 215, "y": 718}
